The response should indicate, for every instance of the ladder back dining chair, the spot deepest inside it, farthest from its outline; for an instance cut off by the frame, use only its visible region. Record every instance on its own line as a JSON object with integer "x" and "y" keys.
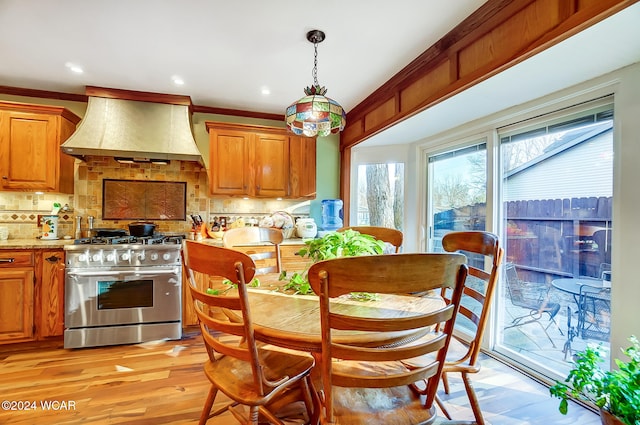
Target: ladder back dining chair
{"x": 268, "y": 261}
{"x": 484, "y": 257}
{"x": 388, "y": 235}
{"x": 250, "y": 374}
{"x": 363, "y": 385}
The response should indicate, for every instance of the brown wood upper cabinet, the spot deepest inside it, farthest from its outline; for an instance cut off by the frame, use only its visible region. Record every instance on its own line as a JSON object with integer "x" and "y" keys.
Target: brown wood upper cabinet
{"x": 30, "y": 139}
{"x": 260, "y": 161}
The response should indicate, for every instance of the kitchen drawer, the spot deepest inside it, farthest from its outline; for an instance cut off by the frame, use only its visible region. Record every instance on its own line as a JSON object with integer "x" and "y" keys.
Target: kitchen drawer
{"x": 16, "y": 259}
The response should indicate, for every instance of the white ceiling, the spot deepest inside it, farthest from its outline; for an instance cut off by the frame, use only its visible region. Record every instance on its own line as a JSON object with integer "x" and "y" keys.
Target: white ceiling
{"x": 228, "y": 51}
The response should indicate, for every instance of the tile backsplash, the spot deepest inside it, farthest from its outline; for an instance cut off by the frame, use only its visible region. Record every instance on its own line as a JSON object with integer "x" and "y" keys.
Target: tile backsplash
{"x": 19, "y": 213}
{"x": 19, "y": 210}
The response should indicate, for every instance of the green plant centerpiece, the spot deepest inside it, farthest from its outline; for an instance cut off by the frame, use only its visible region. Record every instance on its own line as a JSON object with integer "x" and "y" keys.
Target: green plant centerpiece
{"x": 616, "y": 392}
{"x": 348, "y": 243}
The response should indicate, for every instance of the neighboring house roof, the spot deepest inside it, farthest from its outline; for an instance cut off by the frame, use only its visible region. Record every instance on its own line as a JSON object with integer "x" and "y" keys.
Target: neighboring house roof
{"x": 578, "y": 165}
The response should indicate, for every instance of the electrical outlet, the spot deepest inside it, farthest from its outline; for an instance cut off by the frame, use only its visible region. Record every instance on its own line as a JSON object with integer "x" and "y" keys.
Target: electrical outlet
{"x": 40, "y": 220}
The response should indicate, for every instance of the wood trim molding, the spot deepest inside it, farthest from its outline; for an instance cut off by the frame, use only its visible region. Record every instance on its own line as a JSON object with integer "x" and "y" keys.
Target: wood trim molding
{"x": 141, "y": 96}
{"x": 44, "y": 109}
{"x": 245, "y": 127}
{"x": 345, "y": 187}
{"x": 479, "y": 47}
{"x": 238, "y": 113}
{"x": 19, "y": 91}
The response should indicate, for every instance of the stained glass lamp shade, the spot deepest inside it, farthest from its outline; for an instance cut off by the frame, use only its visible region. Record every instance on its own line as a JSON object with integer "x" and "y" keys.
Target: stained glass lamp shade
{"x": 315, "y": 114}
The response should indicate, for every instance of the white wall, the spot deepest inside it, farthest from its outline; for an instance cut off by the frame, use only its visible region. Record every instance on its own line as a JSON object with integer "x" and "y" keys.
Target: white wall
{"x": 625, "y": 297}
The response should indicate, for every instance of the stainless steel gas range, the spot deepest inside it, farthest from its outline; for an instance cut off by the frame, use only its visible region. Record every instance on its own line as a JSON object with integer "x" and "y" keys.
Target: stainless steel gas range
{"x": 122, "y": 290}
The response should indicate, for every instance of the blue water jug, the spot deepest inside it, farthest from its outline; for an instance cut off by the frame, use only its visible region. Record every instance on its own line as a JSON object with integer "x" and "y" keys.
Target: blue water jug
{"x": 331, "y": 214}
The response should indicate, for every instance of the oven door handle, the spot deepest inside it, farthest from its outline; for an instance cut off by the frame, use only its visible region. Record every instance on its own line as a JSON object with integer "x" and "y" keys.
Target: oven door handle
{"x": 172, "y": 271}
{"x": 101, "y": 273}
{"x": 119, "y": 272}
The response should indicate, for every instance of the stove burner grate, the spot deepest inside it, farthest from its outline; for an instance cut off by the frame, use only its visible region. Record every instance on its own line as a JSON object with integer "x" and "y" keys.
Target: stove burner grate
{"x": 120, "y": 240}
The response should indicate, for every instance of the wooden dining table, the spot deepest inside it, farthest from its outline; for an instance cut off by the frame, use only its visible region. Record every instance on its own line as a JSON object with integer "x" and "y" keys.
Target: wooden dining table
{"x": 293, "y": 320}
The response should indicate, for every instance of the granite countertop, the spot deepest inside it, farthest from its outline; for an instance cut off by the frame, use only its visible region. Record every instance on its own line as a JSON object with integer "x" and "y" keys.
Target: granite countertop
{"x": 290, "y": 241}
{"x": 34, "y": 243}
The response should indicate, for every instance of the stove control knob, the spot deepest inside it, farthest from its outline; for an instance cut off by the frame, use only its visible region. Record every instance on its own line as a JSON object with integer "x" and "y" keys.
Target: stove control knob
{"x": 96, "y": 257}
{"x": 82, "y": 257}
{"x": 154, "y": 256}
{"x": 110, "y": 257}
{"x": 124, "y": 256}
{"x": 166, "y": 256}
{"x": 141, "y": 256}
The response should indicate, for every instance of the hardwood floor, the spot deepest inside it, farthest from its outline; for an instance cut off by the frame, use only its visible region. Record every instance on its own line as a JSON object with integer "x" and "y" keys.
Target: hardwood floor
{"x": 163, "y": 383}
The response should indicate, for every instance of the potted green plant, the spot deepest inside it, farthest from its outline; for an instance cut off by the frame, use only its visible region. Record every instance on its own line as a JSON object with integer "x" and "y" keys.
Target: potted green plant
{"x": 348, "y": 243}
{"x": 615, "y": 392}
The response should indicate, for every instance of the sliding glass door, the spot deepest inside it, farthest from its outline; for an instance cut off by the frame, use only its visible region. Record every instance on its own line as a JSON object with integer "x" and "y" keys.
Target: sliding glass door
{"x": 552, "y": 209}
{"x": 557, "y": 197}
{"x": 457, "y": 194}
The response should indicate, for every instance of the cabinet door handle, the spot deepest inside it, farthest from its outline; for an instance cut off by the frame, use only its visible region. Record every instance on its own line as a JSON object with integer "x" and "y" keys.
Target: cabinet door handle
{"x": 53, "y": 259}
{"x": 5, "y": 177}
{"x": 7, "y": 260}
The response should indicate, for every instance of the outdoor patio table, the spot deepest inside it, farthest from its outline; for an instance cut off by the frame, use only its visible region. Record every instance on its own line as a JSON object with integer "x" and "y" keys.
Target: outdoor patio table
{"x": 574, "y": 285}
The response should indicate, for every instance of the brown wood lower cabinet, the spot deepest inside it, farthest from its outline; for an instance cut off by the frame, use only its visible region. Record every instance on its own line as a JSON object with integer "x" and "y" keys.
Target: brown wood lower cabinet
{"x": 31, "y": 295}
{"x": 50, "y": 314}
{"x": 17, "y": 287}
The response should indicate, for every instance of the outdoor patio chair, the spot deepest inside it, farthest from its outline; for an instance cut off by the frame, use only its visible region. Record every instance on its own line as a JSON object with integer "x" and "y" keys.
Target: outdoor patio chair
{"x": 594, "y": 318}
{"x": 533, "y": 297}
{"x": 594, "y": 314}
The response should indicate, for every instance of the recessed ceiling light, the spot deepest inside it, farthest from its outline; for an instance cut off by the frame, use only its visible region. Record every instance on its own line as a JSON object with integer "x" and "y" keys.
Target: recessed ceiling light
{"x": 265, "y": 91}
{"x": 178, "y": 81}
{"x": 74, "y": 68}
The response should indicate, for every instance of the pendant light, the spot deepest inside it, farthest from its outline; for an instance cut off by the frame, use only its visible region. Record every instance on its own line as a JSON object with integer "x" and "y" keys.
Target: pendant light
{"x": 315, "y": 114}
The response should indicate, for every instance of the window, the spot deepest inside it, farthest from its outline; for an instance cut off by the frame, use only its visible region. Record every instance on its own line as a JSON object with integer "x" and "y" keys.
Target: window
{"x": 457, "y": 190}
{"x": 380, "y": 195}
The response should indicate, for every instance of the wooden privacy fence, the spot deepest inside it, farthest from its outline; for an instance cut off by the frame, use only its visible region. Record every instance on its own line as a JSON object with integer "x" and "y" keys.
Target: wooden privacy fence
{"x": 546, "y": 238}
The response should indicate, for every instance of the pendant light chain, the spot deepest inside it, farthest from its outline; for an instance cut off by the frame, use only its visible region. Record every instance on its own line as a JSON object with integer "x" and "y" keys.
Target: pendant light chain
{"x": 315, "y": 64}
